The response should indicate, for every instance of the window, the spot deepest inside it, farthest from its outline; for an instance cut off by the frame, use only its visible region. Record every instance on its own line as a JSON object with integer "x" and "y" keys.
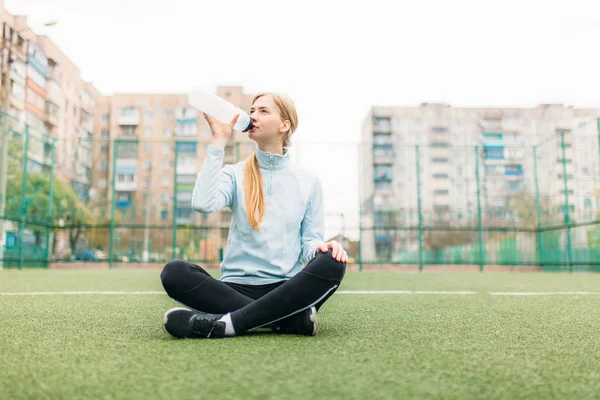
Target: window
{"x": 186, "y": 130}
{"x": 164, "y": 198}
{"x": 102, "y": 183}
{"x": 149, "y": 115}
{"x": 146, "y": 165}
{"x": 146, "y": 182}
{"x": 125, "y": 178}
{"x": 513, "y": 170}
{"x": 382, "y": 124}
{"x": 585, "y": 171}
{"x": 165, "y": 182}
{"x": 515, "y": 186}
{"x": 563, "y": 210}
{"x": 382, "y": 140}
{"x": 128, "y": 112}
{"x": 186, "y": 179}
{"x": 384, "y": 152}
{"x": 167, "y": 114}
{"x": 494, "y": 169}
{"x": 491, "y": 124}
{"x": 167, "y": 132}
{"x": 166, "y": 149}
{"x": 36, "y": 100}
{"x": 105, "y": 117}
{"x": 440, "y": 192}
{"x": 104, "y": 134}
{"x": 103, "y": 165}
{"x": 166, "y": 164}
{"x": 148, "y": 148}
{"x": 164, "y": 214}
{"x": 128, "y": 131}
{"x": 383, "y": 172}
{"x": 494, "y": 153}
{"x": 148, "y": 132}
{"x": 439, "y": 160}
{"x": 440, "y": 176}
{"x": 127, "y": 147}
{"x": 104, "y": 149}
{"x": 383, "y": 184}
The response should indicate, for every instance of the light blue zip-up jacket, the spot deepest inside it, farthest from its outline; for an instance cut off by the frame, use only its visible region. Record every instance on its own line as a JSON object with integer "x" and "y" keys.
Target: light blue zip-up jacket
{"x": 292, "y": 227}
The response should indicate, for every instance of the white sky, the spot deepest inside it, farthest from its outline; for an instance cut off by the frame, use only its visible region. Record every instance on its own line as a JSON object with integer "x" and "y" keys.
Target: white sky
{"x": 336, "y": 60}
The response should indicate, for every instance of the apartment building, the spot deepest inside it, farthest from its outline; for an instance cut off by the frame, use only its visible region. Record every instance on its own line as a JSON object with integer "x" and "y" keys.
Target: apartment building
{"x": 43, "y": 88}
{"x": 154, "y": 146}
{"x": 448, "y": 148}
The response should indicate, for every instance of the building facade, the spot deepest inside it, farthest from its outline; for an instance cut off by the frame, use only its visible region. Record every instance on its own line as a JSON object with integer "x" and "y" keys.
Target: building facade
{"x": 450, "y": 149}
{"x": 154, "y": 145}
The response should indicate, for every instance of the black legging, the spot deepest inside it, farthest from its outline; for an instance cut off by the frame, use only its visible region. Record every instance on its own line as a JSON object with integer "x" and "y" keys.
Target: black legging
{"x": 253, "y": 306}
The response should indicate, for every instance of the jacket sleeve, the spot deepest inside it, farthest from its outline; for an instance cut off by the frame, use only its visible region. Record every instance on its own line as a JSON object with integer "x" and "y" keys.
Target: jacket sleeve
{"x": 215, "y": 185}
{"x": 313, "y": 224}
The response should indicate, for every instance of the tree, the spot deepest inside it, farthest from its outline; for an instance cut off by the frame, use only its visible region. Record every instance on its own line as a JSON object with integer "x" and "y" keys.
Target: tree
{"x": 68, "y": 209}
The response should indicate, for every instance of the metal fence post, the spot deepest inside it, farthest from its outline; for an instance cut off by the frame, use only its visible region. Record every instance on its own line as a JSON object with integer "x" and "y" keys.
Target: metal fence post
{"x": 567, "y": 214}
{"x": 479, "y": 216}
{"x": 419, "y": 211}
{"x": 174, "y": 233}
{"x": 598, "y": 173}
{"x": 50, "y": 202}
{"x": 360, "y": 260}
{"x": 538, "y": 209}
{"x": 112, "y": 202}
{"x": 23, "y": 207}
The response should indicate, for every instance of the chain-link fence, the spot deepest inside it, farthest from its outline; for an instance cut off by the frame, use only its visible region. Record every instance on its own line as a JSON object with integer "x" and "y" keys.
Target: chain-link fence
{"x": 126, "y": 201}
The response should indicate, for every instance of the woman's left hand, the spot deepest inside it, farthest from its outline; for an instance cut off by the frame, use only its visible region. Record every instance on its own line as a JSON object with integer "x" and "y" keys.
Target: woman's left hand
{"x": 338, "y": 251}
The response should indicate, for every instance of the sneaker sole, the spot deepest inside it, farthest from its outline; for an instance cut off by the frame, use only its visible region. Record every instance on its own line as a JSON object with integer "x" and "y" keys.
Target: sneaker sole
{"x": 313, "y": 319}
{"x": 166, "y": 316}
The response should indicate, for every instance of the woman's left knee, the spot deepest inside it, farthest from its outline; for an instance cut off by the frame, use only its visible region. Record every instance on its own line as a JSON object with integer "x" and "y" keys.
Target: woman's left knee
{"x": 333, "y": 269}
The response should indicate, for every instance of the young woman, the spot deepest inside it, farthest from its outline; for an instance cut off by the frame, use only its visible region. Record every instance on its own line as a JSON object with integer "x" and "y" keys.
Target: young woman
{"x": 276, "y": 227}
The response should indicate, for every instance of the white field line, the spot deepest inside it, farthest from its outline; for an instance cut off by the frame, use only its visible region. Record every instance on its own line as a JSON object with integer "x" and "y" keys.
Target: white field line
{"x": 343, "y": 292}
{"x": 544, "y": 293}
{"x": 403, "y": 292}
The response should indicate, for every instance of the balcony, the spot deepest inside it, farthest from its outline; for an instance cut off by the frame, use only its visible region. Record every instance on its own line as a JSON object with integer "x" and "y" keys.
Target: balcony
{"x": 184, "y": 197}
{"x": 383, "y": 157}
{"x": 88, "y": 125}
{"x": 53, "y": 93}
{"x": 186, "y": 169}
{"x": 18, "y": 72}
{"x": 17, "y": 102}
{"x": 129, "y": 116}
{"x": 382, "y": 124}
{"x": 126, "y": 186}
{"x": 493, "y": 140}
{"x": 86, "y": 102}
{"x": 52, "y": 119}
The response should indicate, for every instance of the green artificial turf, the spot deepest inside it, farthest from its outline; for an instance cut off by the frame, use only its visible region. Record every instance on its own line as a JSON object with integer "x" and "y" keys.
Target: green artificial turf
{"x": 369, "y": 346}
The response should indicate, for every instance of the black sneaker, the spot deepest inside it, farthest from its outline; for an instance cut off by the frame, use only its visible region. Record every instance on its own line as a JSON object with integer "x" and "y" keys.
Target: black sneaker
{"x": 185, "y": 323}
{"x": 304, "y": 323}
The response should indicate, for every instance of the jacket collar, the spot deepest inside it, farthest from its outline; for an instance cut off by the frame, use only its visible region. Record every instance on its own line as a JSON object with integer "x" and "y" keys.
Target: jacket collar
{"x": 268, "y": 160}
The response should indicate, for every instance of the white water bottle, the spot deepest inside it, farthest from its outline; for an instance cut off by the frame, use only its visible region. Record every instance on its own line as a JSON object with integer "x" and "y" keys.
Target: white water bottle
{"x": 220, "y": 109}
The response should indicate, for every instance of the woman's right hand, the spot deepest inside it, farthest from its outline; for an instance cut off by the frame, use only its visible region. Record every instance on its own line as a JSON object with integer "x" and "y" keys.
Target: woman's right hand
{"x": 221, "y": 132}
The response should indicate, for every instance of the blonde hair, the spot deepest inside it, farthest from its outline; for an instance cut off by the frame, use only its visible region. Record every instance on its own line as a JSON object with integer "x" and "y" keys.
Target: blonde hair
{"x": 253, "y": 185}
